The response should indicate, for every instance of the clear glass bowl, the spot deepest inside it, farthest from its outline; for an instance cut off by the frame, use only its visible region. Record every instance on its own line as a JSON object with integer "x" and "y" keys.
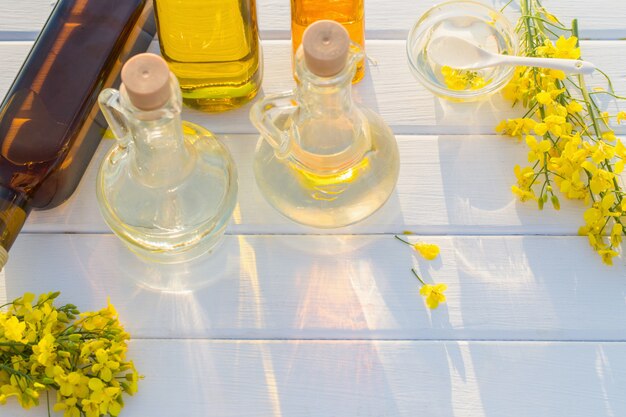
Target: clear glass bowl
{"x": 472, "y": 21}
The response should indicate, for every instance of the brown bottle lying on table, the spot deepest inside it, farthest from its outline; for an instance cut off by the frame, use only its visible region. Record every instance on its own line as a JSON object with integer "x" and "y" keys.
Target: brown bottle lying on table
{"x": 50, "y": 125}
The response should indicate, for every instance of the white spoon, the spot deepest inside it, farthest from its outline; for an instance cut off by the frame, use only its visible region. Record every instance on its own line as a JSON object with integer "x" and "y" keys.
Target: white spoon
{"x": 458, "y": 53}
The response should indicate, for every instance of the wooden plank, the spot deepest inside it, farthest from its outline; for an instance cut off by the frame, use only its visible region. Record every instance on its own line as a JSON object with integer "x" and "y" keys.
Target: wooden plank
{"x": 390, "y": 19}
{"x": 370, "y": 379}
{"x": 389, "y": 88}
{"x": 434, "y": 194}
{"x": 336, "y": 287}
{"x": 447, "y": 185}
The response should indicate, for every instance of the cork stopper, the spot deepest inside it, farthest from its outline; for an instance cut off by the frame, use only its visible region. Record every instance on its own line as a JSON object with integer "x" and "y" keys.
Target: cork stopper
{"x": 146, "y": 78}
{"x": 326, "y": 45}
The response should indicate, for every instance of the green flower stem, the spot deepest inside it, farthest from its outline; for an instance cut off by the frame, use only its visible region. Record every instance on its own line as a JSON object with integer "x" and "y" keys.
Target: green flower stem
{"x": 608, "y": 79}
{"x": 505, "y": 6}
{"x": 530, "y": 110}
{"x": 417, "y": 276}
{"x": 583, "y": 86}
{"x": 590, "y": 110}
{"x": 529, "y": 37}
{"x": 13, "y": 344}
{"x": 10, "y": 370}
{"x": 403, "y": 241}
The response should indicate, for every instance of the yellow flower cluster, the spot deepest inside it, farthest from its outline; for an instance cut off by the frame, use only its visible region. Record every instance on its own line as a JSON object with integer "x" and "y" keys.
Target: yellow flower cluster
{"x": 459, "y": 80}
{"x": 81, "y": 356}
{"x": 571, "y": 147}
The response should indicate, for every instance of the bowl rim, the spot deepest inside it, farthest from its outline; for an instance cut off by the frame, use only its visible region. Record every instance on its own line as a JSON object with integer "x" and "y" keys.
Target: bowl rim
{"x": 464, "y": 95}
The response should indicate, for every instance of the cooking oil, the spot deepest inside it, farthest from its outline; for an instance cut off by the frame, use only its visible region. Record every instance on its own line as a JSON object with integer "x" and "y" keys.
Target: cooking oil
{"x": 350, "y": 13}
{"x": 168, "y": 188}
{"x": 331, "y": 198}
{"x": 212, "y": 46}
{"x": 324, "y": 160}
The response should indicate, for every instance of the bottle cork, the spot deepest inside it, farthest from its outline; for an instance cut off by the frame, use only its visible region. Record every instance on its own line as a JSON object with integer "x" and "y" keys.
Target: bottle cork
{"x": 326, "y": 45}
{"x": 146, "y": 79}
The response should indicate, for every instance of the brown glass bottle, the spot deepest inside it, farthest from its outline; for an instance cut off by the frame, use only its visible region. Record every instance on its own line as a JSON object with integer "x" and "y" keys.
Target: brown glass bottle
{"x": 50, "y": 124}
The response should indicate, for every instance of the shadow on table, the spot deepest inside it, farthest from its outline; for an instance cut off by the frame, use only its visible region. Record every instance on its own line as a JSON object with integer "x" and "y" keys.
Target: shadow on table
{"x": 297, "y": 377}
{"x": 560, "y": 293}
{"x": 301, "y": 287}
{"x": 286, "y": 291}
{"x": 556, "y": 286}
{"x": 335, "y": 291}
{"x": 307, "y": 327}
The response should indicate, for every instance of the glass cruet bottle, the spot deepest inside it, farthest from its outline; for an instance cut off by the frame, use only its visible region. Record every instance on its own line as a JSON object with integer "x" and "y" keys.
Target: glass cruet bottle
{"x": 323, "y": 160}
{"x": 168, "y": 188}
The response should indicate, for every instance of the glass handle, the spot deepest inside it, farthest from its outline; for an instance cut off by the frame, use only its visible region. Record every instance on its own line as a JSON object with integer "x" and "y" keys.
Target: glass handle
{"x": 109, "y": 101}
{"x": 264, "y": 114}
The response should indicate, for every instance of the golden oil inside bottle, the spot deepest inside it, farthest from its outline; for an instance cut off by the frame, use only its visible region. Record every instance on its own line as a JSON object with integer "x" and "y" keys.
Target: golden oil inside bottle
{"x": 347, "y": 12}
{"x": 212, "y": 46}
{"x": 329, "y": 187}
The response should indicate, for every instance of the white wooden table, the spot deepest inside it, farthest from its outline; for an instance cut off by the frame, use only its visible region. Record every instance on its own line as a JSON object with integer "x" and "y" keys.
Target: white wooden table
{"x": 293, "y": 321}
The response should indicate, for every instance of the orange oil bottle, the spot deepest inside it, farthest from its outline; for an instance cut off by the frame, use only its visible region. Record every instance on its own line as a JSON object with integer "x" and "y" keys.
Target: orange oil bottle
{"x": 350, "y": 13}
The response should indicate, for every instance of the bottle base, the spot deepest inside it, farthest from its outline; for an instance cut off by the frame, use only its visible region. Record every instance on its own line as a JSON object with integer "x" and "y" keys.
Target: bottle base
{"x": 217, "y": 105}
{"x": 171, "y": 224}
{"x": 220, "y": 98}
{"x": 328, "y": 201}
{"x": 328, "y": 218}
{"x": 178, "y": 255}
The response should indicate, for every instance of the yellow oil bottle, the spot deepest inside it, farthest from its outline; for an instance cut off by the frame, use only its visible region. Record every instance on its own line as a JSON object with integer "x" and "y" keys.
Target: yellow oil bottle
{"x": 212, "y": 46}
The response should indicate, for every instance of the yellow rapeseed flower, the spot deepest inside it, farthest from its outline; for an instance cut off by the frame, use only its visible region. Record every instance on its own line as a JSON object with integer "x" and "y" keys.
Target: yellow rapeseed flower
{"x": 540, "y": 129}
{"x": 557, "y": 74}
{"x": 607, "y": 255}
{"x": 538, "y": 150}
{"x": 432, "y": 293}
{"x": 456, "y": 79}
{"x": 609, "y": 136}
{"x": 523, "y": 194}
{"x": 544, "y": 97}
{"x": 574, "y": 107}
{"x": 428, "y": 250}
{"x": 617, "y": 233}
{"x": 14, "y": 329}
{"x": 601, "y": 181}
{"x": 68, "y": 406}
{"x": 566, "y": 48}
{"x": 44, "y": 350}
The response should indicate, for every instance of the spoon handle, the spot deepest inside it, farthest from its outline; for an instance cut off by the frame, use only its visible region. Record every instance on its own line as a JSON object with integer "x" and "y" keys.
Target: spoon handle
{"x": 574, "y": 66}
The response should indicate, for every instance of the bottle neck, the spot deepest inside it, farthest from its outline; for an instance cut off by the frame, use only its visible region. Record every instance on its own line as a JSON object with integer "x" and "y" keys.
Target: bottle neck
{"x": 160, "y": 155}
{"x": 14, "y": 210}
{"x": 329, "y": 100}
{"x": 329, "y": 133}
